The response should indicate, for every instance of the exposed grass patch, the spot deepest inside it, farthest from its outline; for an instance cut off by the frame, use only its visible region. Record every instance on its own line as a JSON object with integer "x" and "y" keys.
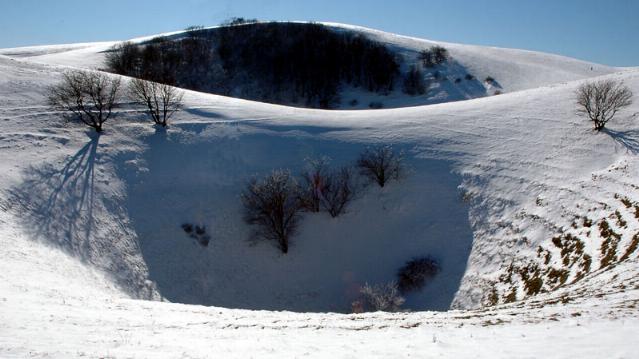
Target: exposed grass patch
{"x": 609, "y": 245}
{"x": 631, "y": 248}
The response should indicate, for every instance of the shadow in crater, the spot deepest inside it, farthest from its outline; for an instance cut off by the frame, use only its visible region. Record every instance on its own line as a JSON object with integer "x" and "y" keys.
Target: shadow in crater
{"x": 58, "y": 202}
{"x": 70, "y": 205}
{"x": 199, "y": 183}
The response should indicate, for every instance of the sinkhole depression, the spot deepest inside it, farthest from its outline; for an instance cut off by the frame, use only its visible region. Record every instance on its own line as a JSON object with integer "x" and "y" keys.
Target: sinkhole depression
{"x": 183, "y": 199}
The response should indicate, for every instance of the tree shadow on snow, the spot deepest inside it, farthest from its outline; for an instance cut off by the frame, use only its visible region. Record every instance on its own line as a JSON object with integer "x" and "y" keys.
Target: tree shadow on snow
{"x": 629, "y": 139}
{"x": 58, "y": 202}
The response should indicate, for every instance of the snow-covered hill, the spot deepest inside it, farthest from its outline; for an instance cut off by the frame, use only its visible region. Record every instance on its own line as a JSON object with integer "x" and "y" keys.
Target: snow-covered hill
{"x": 509, "y": 192}
{"x": 463, "y": 77}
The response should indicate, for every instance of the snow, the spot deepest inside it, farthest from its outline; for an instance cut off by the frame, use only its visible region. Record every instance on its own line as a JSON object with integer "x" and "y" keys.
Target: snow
{"x": 92, "y": 251}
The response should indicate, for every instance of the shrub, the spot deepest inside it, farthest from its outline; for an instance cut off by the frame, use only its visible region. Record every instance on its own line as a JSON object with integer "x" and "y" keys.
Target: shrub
{"x": 435, "y": 55}
{"x": 194, "y": 30}
{"x": 489, "y": 79}
{"x": 238, "y": 21}
{"x": 414, "y": 82}
{"x": 327, "y": 189}
{"x": 601, "y": 100}
{"x": 413, "y": 275}
{"x": 427, "y": 58}
{"x": 469, "y": 77}
{"x": 440, "y": 54}
{"x": 89, "y": 95}
{"x": 161, "y": 100}
{"x": 197, "y": 232}
{"x": 272, "y": 205}
{"x": 315, "y": 181}
{"x": 354, "y": 102}
{"x": 339, "y": 191}
{"x": 381, "y": 164}
{"x": 458, "y": 80}
{"x": 123, "y": 58}
{"x": 382, "y": 297}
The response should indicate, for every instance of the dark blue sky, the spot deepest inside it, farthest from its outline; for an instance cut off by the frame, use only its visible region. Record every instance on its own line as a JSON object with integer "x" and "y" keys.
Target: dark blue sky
{"x": 603, "y": 31}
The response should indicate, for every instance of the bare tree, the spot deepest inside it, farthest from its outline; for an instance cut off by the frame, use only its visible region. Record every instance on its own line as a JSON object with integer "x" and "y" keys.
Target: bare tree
{"x": 382, "y": 297}
{"x": 381, "y": 164}
{"x": 340, "y": 189}
{"x": 161, "y": 100}
{"x": 89, "y": 95}
{"x": 314, "y": 183}
{"x": 326, "y": 188}
{"x": 601, "y": 100}
{"x": 272, "y": 205}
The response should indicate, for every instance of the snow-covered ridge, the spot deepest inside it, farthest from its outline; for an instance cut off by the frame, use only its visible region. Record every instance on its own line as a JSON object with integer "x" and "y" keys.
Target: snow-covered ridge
{"x": 512, "y": 69}
{"x": 77, "y": 238}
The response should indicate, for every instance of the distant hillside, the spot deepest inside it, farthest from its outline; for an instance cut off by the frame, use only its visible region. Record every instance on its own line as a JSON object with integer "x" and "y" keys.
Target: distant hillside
{"x": 288, "y": 63}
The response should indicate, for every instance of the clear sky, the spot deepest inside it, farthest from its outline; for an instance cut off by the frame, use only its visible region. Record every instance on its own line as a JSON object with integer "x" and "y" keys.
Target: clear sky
{"x": 603, "y": 31}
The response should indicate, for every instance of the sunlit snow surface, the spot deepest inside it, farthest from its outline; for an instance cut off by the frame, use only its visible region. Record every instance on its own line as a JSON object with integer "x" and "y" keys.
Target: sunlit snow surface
{"x": 81, "y": 217}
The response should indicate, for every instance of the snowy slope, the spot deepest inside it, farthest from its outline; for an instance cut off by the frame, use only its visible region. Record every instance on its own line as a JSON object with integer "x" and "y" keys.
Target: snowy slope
{"x": 81, "y": 215}
{"x": 512, "y": 70}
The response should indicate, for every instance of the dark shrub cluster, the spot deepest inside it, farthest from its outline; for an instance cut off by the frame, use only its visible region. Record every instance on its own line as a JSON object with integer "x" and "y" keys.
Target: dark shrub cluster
{"x": 414, "y": 274}
{"x": 293, "y": 61}
{"x": 238, "y": 21}
{"x": 414, "y": 83}
{"x": 197, "y": 232}
{"x": 435, "y": 55}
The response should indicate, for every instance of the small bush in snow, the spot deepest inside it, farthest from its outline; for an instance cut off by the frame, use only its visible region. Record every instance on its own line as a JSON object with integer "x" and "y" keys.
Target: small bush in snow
{"x": 489, "y": 79}
{"x": 197, "y": 232}
{"x": 326, "y": 188}
{"x": 414, "y": 274}
{"x": 272, "y": 205}
{"x": 414, "y": 83}
{"x": 382, "y": 297}
{"x": 161, "y": 100}
{"x": 89, "y": 95}
{"x": 601, "y": 100}
{"x": 381, "y": 164}
{"x": 469, "y": 77}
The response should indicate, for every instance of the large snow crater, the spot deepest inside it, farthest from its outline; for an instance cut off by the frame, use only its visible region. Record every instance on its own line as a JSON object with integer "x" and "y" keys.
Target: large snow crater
{"x": 195, "y": 175}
